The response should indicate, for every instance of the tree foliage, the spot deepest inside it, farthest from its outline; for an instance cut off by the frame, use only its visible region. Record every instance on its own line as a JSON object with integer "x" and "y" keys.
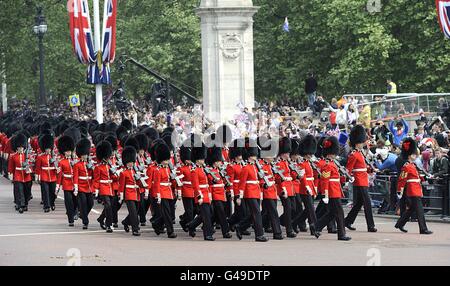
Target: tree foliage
{"x": 349, "y": 49}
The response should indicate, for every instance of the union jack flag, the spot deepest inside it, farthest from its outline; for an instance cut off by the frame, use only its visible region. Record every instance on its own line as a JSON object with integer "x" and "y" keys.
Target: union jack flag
{"x": 80, "y": 31}
{"x": 443, "y": 10}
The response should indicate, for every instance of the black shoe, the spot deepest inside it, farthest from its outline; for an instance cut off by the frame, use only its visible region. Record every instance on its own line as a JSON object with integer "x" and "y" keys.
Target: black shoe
{"x": 25, "y": 209}
{"x": 426, "y": 232}
{"x": 372, "y": 229}
{"x": 53, "y": 208}
{"x": 192, "y": 233}
{"x": 313, "y": 231}
{"x": 278, "y": 236}
{"x": 109, "y": 229}
{"x": 21, "y": 210}
{"x": 334, "y": 231}
{"x": 42, "y": 202}
{"x": 136, "y": 233}
{"x": 85, "y": 226}
{"x": 296, "y": 229}
{"x": 143, "y": 224}
{"x": 303, "y": 229}
{"x": 115, "y": 225}
{"x": 227, "y": 235}
{"x": 71, "y": 224}
{"x": 172, "y": 235}
{"x": 291, "y": 235}
{"x": 232, "y": 228}
{"x": 46, "y": 210}
{"x": 246, "y": 232}
{"x": 16, "y": 208}
{"x": 75, "y": 217}
{"x": 102, "y": 224}
{"x": 349, "y": 226}
{"x": 401, "y": 228}
{"x": 268, "y": 230}
{"x": 261, "y": 239}
{"x": 238, "y": 232}
{"x": 209, "y": 238}
{"x": 344, "y": 238}
{"x": 126, "y": 227}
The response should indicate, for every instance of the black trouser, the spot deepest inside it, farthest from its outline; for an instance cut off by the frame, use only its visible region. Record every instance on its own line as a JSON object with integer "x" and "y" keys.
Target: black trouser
{"x": 116, "y": 207}
{"x": 107, "y": 212}
{"x": 173, "y": 207}
{"x": 48, "y": 194}
{"x": 69, "y": 201}
{"x": 414, "y": 205}
{"x": 298, "y": 210}
{"x": 253, "y": 216}
{"x": 271, "y": 212}
{"x": 336, "y": 212}
{"x": 85, "y": 204}
{"x": 286, "y": 217}
{"x": 240, "y": 212}
{"x": 143, "y": 208}
{"x": 19, "y": 194}
{"x": 393, "y": 199}
{"x": 228, "y": 205}
{"x": 321, "y": 210}
{"x": 132, "y": 217}
{"x": 156, "y": 220}
{"x": 27, "y": 191}
{"x": 361, "y": 197}
{"x": 220, "y": 216}
{"x": 188, "y": 216}
{"x": 205, "y": 218}
{"x": 308, "y": 212}
{"x": 166, "y": 213}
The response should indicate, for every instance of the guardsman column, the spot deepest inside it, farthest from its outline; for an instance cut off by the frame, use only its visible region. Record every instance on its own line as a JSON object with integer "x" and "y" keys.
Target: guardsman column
{"x": 227, "y": 56}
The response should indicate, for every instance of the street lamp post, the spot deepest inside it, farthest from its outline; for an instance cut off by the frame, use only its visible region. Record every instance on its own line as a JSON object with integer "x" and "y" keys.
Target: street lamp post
{"x": 40, "y": 29}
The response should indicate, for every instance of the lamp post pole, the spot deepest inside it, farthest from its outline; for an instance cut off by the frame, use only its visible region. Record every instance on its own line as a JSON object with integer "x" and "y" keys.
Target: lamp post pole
{"x": 40, "y": 29}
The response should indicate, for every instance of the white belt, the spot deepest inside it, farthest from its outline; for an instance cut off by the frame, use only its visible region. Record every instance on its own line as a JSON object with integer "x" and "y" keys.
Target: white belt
{"x": 310, "y": 179}
{"x": 288, "y": 179}
{"x": 204, "y": 186}
{"x": 360, "y": 170}
{"x": 20, "y": 169}
{"x": 236, "y": 181}
{"x": 84, "y": 178}
{"x": 166, "y": 184}
{"x": 68, "y": 176}
{"x": 413, "y": 181}
{"x": 131, "y": 186}
{"x": 218, "y": 185}
{"x": 335, "y": 180}
{"x": 187, "y": 183}
{"x": 105, "y": 181}
{"x": 253, "y": 182}
{"x": 48, "y": 168}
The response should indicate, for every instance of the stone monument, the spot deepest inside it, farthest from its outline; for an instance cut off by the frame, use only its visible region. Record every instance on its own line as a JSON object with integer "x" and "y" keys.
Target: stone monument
{"x": 227, "y": 57}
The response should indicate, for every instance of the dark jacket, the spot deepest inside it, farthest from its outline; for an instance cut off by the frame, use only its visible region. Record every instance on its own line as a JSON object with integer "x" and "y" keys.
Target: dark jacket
{"x": 310, "y": 85}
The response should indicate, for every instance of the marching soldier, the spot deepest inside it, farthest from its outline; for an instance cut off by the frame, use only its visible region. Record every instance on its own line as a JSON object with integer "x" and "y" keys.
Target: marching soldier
{"x": 65, "y": 176}
{"x": 217, "y": 187}
{"x": 331, "y": 183}
{"x": 285, "y": 187}
{"x": 18, "y": 171}
{"x": 187, "y": 192}
{"x": 103, "y": 183}
{"x": 297, "y": 175}
{"x": 356, "y": 165}
{"x": 307, "y": 147}
{"x": 224, "y": 138}
{"x": 156, "y": 219}
{"x": 250, "y": 192}
{"x": 164, "y": 187}
{"x": 202, "y": 194}
{"x": 411, "y": 180}
{"x": 45, "y": 170}
{"x": 115, "y": 162}
{"x": 82, "y": 179}
{"x": 129, "y": 190}
{"x": 142, "y": 164}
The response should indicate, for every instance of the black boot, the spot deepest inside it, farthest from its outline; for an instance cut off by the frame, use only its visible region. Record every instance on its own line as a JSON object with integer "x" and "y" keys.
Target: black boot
{"x": 278, "y": 236}
{"x": 349, "y": 226}
{"x": 136, "y": 233}
{"x": 126, "y": 227}
{"x": 209, "y": 238}
{"x": 227, "y": 235}
{"x": 102, "y": 224}
{"x": 109, "y": 229}
{"x": 401, "y": 228}
{"x": 372, "y": 229}
{"x": 238, "y": 232}
{"x": 426, "y": 232}
{"x": 261, "y": 239}
{"x": 344, "y": 238}
{"x": 172, "y": 235}
{"x": 85, "y": 226}
{"x": 291, "y": 234}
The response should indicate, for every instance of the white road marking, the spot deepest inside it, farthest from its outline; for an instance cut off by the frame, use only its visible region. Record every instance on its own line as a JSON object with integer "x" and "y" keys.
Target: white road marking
{"x": 92, "y": 210}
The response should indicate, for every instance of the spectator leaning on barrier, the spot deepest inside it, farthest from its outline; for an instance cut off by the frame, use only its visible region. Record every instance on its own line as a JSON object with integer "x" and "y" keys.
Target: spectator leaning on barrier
{"x": 439, "y": 165}
{"x": 381, "y": 132}
{"x": 400, "y": 131}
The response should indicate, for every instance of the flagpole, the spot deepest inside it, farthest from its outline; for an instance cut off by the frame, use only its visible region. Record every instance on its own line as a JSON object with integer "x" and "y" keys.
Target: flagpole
{"x": 98, "y": 87}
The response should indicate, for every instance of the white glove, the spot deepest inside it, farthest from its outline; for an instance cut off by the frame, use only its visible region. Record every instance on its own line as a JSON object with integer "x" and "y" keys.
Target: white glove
{"x": 302, "y": 173}
{"x": 200, "y": 201}
{"x": 96, "y": 193}
{"x": 271, "y": 183}
{"x": 325, "y": 200}
{"x": 75, "y": 190}
{"x": 121, "y": 198}
{"x": 399, "y": 195}
{"x": 308, "y": 189}
{"x": 210, "y": 197}
{"x": 352, "y": 179}
{"x": 10, "y": 176}
{"x": 284, "y": 193}
{"x": 238, "y": 201}
{"x": 38, "y": 179}
{"x": 179, "y": 196}
{"x": 146, "y": 195}
{"x": 158, "y": 199}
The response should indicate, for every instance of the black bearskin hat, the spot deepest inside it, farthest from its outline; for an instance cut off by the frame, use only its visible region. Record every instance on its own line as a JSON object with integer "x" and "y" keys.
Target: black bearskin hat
{"x": 151, "y": 133}
{"x": 103, "y": 150}
{"x": 224, "y": 135}
{"x": 213, "y": 155}
{"x": 128, "y": 155}
{"x": 83, "y": 147}
{"x": 236, "y": 149}
{"x": 46, "y": 141}
{"x": 308, "y": 145}
{"x": 121, "y": 132}
{"x": 185, "y": 151}
{"x": 65, "y": 143}
{"x": 127, "y": 124}
{"x": 250, "y": 148}
{"x": 162, "y": 153}
{"x": 330, "y": 146}
{"x": 358, "y": 135}
{"x": 198, "y": 153}
{"x": 285, "y": 145}
{"x": 131, "y": 141}
{"x": 113, "y": 141}
{"x": 295, "y": 146}
{"x": 168, "y": 140}
{"x": 142, "y": 140}
{"x": 19, "y": 140}
{"x": 319, "y": 147}
{"x": 74, "y": 133}
{"x": 409, "y": 147}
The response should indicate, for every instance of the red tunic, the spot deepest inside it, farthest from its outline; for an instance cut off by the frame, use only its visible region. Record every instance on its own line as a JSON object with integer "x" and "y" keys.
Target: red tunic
{"x": 65, "y": 175}
{"x": 44, "y": 169}
{"x": 317, "y": 182}
{"x": 200, "y": 184}
{"x": 331, "y": 181}
{"x": 234, "y": 171}
{"x": 15, "y": 167}
{"x": 307, "y": 182}
{"x": 150, "y": 171}
{"x": 296, "y": 179}
{"x": 283, "y": 166}
{"x": 103, "y": 180}
{"x": 185, "y": 172}
{"x": 271, "y": 192}
{"x": 82, "y": 177}
{"x": 161, "y": 182}
{"x": 217, "y": 188}
{"x": 249, "y": 182}
{"x": 128, "y": 186}
{"x": 357, "y": 165}
{"x": 410, "y": 178}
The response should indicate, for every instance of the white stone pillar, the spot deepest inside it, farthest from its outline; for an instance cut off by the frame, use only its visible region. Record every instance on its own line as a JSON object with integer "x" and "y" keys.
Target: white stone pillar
{"x": 227, "y": 56}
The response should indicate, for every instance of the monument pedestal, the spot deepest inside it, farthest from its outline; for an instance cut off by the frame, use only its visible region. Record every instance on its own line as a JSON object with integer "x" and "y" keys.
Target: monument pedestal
{"x": 227, "y": 56}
